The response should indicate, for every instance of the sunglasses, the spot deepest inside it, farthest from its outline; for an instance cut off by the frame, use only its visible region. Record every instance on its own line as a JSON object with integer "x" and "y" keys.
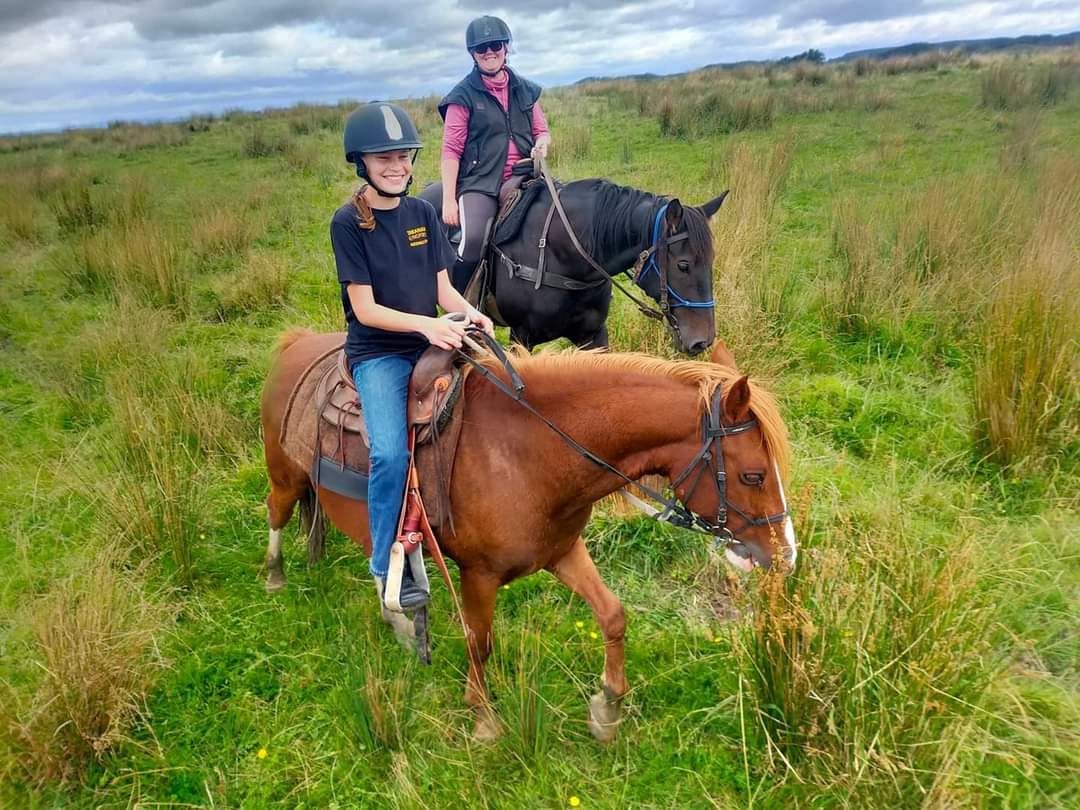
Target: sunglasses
{"x": 493, "y": 47}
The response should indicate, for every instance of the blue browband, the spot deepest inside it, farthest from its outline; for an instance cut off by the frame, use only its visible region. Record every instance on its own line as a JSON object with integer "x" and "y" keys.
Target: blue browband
{"x": 678, "y": 300}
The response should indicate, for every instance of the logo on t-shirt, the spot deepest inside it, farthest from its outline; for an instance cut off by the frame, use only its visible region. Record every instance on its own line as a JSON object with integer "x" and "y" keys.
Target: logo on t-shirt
{"x": 417, "y": 236}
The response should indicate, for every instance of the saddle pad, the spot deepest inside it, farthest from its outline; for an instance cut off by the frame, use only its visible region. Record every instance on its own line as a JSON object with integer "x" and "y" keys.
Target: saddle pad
{"x": 507, "y": 228}
{"x": 323, "y": 432}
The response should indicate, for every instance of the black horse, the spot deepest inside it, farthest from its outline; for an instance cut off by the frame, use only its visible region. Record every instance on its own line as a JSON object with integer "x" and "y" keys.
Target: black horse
{"x": 615, "y": 225}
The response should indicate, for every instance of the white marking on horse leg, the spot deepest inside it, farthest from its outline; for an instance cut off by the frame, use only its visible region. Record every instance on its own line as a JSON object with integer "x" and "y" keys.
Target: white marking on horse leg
{"x": 789, "y": 526}
{"x": 275, "y": 573}
{"x": 273, "y": 548}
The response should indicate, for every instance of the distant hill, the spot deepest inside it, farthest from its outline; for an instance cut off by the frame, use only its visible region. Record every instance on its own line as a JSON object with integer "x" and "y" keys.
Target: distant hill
{"x": 968, "y": 45}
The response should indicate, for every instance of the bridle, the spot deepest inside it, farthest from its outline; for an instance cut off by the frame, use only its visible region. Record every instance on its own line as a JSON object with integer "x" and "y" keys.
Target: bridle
{"x": 709, "y": 458}
{"x": 647, "y": 263}
{"x": 647, "y": 260}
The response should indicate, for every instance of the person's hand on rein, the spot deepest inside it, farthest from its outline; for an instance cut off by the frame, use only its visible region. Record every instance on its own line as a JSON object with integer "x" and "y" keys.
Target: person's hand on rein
{"x": 479, "y": 319}
{"x": 445, "y": 332}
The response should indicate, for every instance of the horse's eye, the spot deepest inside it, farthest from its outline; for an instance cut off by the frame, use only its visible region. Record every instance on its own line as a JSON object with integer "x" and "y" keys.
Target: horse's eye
{"x": 683, "y": 265}
{"x": 752, "y": 479}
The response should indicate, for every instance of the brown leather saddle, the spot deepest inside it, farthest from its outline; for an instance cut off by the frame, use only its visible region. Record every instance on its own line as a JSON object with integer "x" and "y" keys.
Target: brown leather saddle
{"x": 342, "y": 444}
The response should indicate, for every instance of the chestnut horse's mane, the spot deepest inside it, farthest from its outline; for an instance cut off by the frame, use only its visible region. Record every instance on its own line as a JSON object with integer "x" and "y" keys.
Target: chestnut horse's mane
{"x": 705, "y": 376}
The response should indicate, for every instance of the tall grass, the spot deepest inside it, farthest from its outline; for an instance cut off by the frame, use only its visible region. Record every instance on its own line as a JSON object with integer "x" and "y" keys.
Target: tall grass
{"x": 167, "y": 426}
{"x": 751, "y": 300}
{"x": 1013, "y": 85}
{"x": 571, "y": 144}
{"x": 519, "y": 678}
{"x": 863, "y": 667}
{"x": 856, "y": 247}
{"x": 76, "y": 208}
{"x": 261, "y": 284}
{"x": 374, "y": 704}
{"x": 149, "y": 265}
{"x": 260, "y": 142}
{"x": 222, "y": 233}
{"x": 1026, "y": 392}
{"x": 18, "y": 217}
{"x": 96, "y": 636}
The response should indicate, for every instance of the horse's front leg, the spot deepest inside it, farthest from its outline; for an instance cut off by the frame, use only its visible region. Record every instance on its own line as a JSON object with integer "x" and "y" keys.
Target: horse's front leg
{"x": 578, "y": 572}
{"x": 598, "y": 340}
{"x": 478, "y": 591}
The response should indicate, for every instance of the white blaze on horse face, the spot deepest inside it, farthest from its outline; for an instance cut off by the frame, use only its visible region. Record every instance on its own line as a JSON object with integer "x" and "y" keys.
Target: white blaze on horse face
{"x": 789, "y": 527}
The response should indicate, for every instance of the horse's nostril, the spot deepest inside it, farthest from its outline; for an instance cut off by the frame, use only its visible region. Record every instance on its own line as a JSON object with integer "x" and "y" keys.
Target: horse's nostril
{"x": 699, "y": 347}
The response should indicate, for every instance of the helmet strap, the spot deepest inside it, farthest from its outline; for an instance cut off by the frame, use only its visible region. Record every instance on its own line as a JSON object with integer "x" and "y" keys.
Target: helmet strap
{"x": 388, "y": 194}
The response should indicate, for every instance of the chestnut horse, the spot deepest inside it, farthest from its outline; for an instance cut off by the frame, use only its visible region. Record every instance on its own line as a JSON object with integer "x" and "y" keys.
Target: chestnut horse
{"x": 522, "y": 495}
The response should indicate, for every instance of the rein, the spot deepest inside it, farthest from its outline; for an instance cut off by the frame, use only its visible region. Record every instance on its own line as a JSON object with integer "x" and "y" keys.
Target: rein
{"x": 673, "y": 511}
{"x": 647, "y": 309}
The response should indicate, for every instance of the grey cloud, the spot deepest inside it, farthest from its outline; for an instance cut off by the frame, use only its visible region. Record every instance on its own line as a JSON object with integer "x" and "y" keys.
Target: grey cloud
{"x": 18, "y": 14}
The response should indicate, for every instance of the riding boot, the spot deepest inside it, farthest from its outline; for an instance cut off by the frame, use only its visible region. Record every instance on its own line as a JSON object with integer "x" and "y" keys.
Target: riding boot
{"x": 461, "y": 273}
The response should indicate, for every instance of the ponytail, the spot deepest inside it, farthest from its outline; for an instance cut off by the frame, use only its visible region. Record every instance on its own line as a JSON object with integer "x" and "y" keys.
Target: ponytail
{"x": 364, "y": 215}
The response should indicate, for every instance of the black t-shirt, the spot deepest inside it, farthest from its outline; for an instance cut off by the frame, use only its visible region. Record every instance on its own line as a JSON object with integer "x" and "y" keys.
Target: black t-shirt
{"x": 400, "y": 261}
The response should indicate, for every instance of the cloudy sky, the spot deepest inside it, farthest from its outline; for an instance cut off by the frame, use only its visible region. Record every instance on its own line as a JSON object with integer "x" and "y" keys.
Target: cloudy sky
{"x": 79, "y": 62}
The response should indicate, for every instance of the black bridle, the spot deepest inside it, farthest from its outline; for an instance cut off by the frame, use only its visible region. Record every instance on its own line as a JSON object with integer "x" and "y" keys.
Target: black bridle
{"x": 709, "y": 458}
{"x": 654, "y": 257}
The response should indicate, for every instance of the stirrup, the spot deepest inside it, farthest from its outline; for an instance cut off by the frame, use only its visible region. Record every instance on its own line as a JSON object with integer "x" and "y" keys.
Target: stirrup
{"x": 407, "y": 586}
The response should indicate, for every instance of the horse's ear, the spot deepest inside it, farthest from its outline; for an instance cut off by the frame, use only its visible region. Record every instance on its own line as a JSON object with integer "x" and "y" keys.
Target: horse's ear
{"x": 712, "y": 206}
{"x": 674, "y": 215}
{"x": 722, "y": 356}
{"x": 737, "y": 402}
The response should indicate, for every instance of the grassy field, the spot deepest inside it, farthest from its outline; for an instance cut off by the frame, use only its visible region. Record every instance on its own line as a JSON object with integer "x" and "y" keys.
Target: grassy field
{"x": 899, "y": 260}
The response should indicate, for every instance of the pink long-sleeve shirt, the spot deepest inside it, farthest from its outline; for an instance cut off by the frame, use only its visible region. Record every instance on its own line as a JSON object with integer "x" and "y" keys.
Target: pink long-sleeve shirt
{"x": 456, "y": 125}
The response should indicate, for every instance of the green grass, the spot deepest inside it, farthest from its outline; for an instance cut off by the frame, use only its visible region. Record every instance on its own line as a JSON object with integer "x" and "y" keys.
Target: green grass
{"x": 924, "y": 653}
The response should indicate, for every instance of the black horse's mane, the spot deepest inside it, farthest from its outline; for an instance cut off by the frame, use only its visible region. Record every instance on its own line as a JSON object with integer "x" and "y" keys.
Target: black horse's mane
{"x": 618, "y": 222}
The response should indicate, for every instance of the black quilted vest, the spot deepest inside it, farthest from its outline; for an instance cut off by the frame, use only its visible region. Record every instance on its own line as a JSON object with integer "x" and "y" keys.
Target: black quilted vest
{"x": 490, "y": 129}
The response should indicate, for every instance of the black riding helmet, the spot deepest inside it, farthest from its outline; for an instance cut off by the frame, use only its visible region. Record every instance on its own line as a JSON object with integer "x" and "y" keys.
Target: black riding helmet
{"x": 379, "y": 127}
{"x": 486, "y": 29}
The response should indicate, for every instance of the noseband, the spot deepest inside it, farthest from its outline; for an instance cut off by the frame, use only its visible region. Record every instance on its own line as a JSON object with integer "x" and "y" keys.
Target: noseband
{"x": 647, "y": 263}
{"x": 709, "y": 457}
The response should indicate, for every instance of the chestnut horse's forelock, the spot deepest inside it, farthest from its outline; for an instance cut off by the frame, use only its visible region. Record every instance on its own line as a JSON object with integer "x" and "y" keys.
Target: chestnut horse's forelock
{"x": 705, "y": 375}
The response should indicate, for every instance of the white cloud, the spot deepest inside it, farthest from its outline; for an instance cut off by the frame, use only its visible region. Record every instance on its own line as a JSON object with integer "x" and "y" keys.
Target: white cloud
{"x": 88, "y": 61}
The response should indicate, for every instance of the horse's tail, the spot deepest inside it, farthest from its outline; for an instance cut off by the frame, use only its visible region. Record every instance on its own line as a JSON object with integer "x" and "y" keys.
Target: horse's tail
{"x": 289, "y": 337}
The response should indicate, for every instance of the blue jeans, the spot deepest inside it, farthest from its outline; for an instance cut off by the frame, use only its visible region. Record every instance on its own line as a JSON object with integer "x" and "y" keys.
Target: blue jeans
{"x": 383, "y": 385}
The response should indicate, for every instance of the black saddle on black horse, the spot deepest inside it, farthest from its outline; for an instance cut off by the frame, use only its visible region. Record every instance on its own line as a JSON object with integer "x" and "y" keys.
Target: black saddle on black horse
{"x": 520, "y": 191}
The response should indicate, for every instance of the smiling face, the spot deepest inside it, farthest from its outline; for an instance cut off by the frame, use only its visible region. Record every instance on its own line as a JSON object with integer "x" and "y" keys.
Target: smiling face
{"x": 490, "y": 57}
{"x": 389, "y": 171}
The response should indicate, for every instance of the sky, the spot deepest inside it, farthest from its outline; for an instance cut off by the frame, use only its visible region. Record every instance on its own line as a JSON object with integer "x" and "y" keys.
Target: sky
{"x": 87, "y": 62}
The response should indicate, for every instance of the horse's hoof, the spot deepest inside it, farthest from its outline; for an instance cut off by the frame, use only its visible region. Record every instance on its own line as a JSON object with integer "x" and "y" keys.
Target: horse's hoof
{"x": 403, "y": 628}
{"x": 275, "y": 581}
{"x": 604, "y": 718}
{"x": 422, "y": 637}
{"x": 487, "y": 729}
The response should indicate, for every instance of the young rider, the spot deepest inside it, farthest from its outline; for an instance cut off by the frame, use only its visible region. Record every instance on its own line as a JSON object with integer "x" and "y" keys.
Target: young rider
{"x": 391, "y": 262}
{"x": 492, "y": 119}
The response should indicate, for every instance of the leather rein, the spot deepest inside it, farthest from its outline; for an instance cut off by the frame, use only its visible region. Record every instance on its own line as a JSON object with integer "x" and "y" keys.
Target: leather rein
{"x": 646, "y": 261}
{"x": 710, "y": 457}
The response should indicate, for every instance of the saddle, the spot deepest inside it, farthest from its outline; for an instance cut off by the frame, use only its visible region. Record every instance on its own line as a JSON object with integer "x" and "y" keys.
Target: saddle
{"x": 323, "y": 427}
